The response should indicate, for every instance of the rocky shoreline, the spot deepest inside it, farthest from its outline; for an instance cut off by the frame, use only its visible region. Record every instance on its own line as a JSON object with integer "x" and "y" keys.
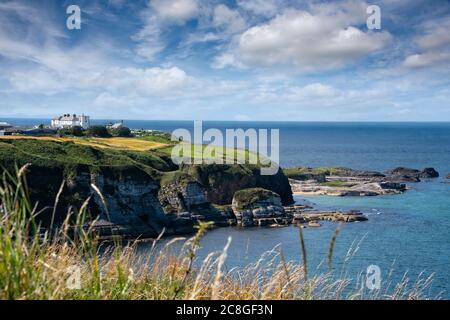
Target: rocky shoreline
{"x": 255, "y": 207}
{"x": 135, "y": 194}
{"x": 350, "y": 182}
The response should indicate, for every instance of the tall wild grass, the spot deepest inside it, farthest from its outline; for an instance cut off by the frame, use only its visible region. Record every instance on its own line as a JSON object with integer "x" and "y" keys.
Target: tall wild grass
{"x": 47, "y": 264}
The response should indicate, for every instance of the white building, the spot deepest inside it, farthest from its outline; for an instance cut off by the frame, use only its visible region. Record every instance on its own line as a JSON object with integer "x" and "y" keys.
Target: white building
{"x": 71, "y": 120}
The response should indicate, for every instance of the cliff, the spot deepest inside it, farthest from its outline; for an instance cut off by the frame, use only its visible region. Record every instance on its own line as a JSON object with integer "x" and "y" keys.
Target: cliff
{"x": 222, "y": 181}
{"x": 142, "y": 193}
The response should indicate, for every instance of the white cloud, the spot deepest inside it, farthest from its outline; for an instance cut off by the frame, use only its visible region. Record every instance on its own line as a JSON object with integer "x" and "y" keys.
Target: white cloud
{"x": 36, "y": 22}
{"x": 439, "y": 38}
{"x": 175, "y": 11}
{"x": 148, "y": 39}
{"x": 314, "y": 90}
{"x": 156, "y": 17}
{"x": 267, "y": 8}
{"x": 434, "y": 34}
{"x": 307, "y": 40}
{"x": 127, "y": 81}
{"x": 201, "y": 38}
{"x": 434, "y": 44}
{"x": 226, "y": 60}
{"x": 230, "y": 20}
{"x": 427, "y": 59}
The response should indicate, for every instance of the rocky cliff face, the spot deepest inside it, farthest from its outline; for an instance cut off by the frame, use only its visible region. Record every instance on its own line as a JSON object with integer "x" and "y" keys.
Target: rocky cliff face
{"x": 131, "y": 199}
{"x": 134, "y": 204}
{"x": 189, "y": 199}
{"x": 222, "y": 181}
{"x": 140, "y": 194}
{"x": 179, "y": 197}
{"x": 257, "y": 206}
{"x": 130, "y": 204}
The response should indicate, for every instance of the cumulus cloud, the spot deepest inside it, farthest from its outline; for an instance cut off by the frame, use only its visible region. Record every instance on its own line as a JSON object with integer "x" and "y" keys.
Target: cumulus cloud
{"x": 308, "y": 40}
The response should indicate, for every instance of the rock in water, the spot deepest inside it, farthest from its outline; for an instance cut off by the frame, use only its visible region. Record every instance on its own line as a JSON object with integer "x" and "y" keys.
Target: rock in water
{"x": 414, "y": 173}
{"x": 404, "y": 171}
{"x": 429, "y": 173}
{"x": 258, "y": 206}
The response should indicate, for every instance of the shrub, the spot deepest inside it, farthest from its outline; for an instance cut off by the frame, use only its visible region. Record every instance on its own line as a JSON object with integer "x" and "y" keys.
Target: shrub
{"x": 76, "y": 131}
{"x": 121, "y": 132}
{"x": 98, "y": 131}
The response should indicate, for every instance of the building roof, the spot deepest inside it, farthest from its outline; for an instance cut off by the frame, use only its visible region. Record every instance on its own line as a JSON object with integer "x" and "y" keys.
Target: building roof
{"x": 68, "y": 117}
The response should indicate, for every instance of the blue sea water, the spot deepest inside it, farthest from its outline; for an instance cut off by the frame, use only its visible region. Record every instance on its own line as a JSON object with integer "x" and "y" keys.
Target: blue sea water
{"x": 405, "y": 233}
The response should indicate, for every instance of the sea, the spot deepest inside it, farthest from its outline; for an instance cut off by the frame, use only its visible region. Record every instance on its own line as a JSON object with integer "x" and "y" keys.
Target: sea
{"x": 407, "y": 235}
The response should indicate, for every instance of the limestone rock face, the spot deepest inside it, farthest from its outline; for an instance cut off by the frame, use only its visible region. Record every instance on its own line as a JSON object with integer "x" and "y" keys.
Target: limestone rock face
{"x": 189, "y": 199}
{"x": 131, "y": 196}
{"x": 182, "y": 196}
{"x": 257, "y": 206}
{"x": 222, "y": 181}
{"x": 132, "y": 202}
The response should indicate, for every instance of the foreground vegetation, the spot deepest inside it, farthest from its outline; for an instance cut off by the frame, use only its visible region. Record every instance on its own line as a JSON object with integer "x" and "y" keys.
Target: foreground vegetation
{"x": 37, "y": 265}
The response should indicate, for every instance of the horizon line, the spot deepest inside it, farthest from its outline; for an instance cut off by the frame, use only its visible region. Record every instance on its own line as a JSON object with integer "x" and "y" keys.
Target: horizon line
{"x": 234, "y": 120}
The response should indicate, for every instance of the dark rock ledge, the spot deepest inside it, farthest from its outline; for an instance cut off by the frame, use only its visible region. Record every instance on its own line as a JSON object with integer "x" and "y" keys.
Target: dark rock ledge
{"x": 350, "y": 182}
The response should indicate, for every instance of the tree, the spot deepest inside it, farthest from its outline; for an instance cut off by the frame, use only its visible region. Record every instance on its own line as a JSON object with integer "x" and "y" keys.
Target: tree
{"x": 98, "y": 131}
{"x": 121, "y": 132}
{"x": 77, "y": 131}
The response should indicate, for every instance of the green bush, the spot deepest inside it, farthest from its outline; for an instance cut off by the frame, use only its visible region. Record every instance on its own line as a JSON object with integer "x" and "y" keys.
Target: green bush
{"x": 246, "y": 198}
{"x": 121, "y": 132}
{"x": 98, "y": 131}
{"x": 76, "y": 131}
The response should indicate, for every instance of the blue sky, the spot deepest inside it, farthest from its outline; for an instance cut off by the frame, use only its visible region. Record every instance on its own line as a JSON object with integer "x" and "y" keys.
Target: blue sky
{"x": 227, "y": 60}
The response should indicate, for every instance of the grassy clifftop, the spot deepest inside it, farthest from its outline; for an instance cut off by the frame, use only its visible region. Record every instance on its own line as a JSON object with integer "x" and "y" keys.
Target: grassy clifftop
{"x": 68, "y": 155}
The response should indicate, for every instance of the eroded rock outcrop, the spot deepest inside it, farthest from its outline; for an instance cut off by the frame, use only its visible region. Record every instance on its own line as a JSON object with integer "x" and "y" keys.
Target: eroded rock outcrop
{"x": 188, "y": 199}
{"x": 426, "y": 173}
{"x": 257, "y": 206}
{"x": 222, "y": 181}
{"x": 349, "y": 182}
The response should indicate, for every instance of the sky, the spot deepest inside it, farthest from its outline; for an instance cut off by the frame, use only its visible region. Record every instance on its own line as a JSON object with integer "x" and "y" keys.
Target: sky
{"x": 277, "y": 60}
